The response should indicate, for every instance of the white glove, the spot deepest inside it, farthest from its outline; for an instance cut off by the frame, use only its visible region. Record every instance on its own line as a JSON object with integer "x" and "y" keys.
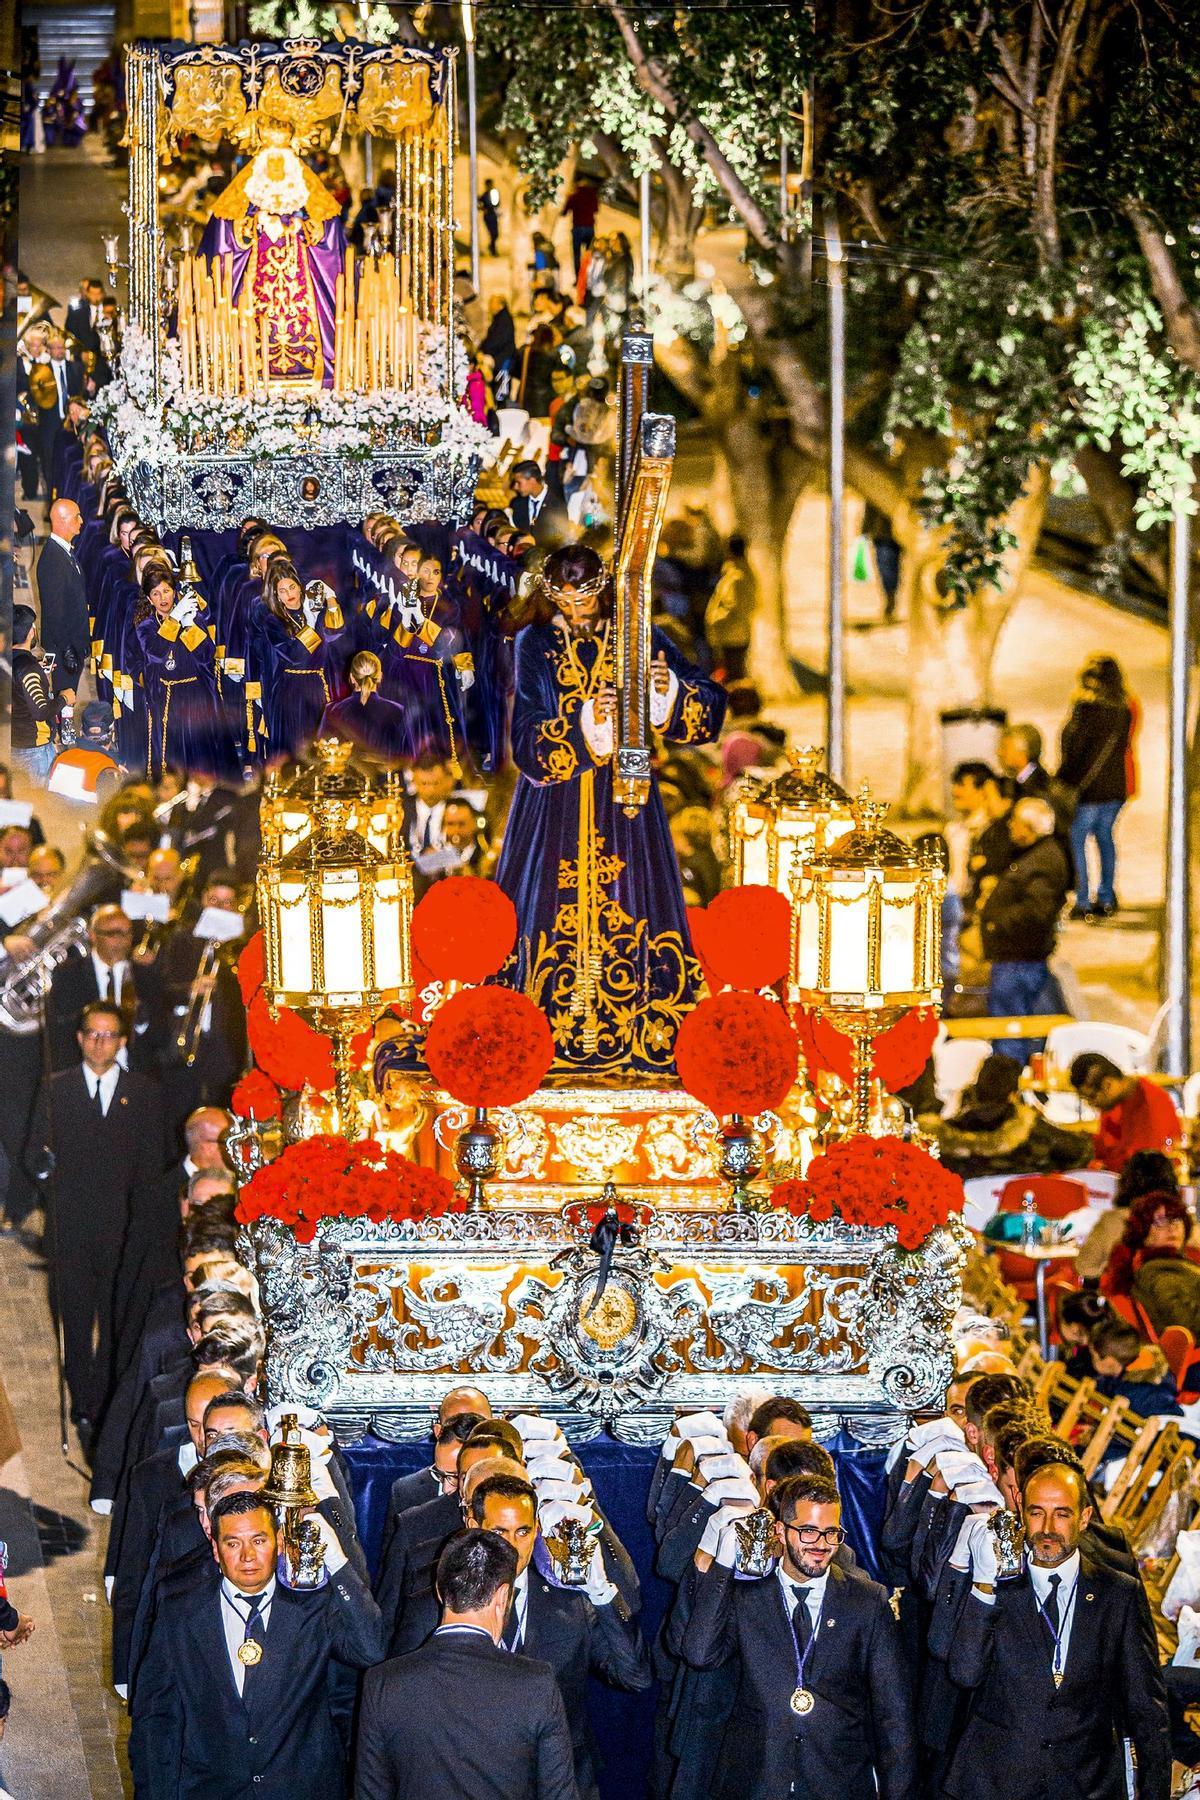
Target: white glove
{"x": 335, "y": 1556}
{"x": 103, "y": 1507}
{"x": 661, "y": 704}
{"x": 324, "y": 1486}
{"x": 532, "y": 1427}
{"x": 551, "y": 1514}
{"x": 732, "y": 1487}
{"x": 982, "y": 1545}
{"x": 724, "y": 1462}
{"x": 185, "y": 609}
{"x": 307, "y": 1417}
{"x": 960, "y": 1556}
{"x": 721, "y": 1525}
{"x": 700, "y": 1425}
{"x": 980, "y": 1493}
{"x": 926, "y": 1452}
{"x": 597, "y": 736}
{"x": 956, "y": 1466}
{"x": 705, "y": 1446}
{"x": 466, "y": 680}
{"x": 548, "y": 1489}
{"x": 541, "y": 1469}
{"x": 933, "y": 1428}
{"x": 598, "y": 1588}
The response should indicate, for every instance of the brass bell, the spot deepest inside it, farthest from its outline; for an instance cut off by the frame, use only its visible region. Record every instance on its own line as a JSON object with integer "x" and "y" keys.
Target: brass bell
{"x": 290, "y": 1480}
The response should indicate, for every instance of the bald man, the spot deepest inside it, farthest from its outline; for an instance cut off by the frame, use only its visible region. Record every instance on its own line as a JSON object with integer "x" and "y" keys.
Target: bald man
{"x": 437, "y": 1478}
{"x": 101, "y": 972}
{"x": 62, "y": 599}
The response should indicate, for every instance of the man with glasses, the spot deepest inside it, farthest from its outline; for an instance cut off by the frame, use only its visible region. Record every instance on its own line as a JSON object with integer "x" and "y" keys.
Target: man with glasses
{"x": 1134, "y": 1113}
{"x": 101, "y": 972}
{"x": 824, "y": 1702}
{"x": 96, "y": 1147}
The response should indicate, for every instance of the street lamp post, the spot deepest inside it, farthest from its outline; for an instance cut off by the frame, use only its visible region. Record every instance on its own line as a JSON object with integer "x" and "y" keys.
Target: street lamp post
{"x": 468, "y": 13}
{"x": 835, "y": 705}
{"x": 1177, "y": 973}
{"x": 644, "y": 235}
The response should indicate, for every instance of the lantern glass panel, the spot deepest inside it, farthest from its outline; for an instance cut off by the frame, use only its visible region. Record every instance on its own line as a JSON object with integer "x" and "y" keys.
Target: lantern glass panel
{"x": 390, "y": 970}
{"x": 342, "y": 926}
{"x": 899, "y": 971}
{"x": 295, "y": 936}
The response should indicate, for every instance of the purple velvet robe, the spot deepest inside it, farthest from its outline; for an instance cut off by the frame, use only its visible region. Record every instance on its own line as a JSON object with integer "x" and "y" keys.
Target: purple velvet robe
{"x": 324, "y": 262}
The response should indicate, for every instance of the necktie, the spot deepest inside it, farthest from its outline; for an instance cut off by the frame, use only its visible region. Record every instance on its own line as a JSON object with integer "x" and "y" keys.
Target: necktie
{"x": 106, "y": 984}
{"x": 510, "y": 1636}
{"x": 1050, "y": 1604}
{"x": 98, "y": 1098}
{"x": 427, "y": 834}
{"x": 256, "y": 1629}
{"x": 61, "y": 382}
{"x": 802, "y": 1625}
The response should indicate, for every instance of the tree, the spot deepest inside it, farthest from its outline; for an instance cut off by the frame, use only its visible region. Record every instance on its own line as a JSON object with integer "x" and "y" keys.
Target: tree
{"x": 1016, "y": 181}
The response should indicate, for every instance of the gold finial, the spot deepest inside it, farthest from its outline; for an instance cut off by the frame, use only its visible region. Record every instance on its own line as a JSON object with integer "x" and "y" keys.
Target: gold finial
{"x": 805, "y": 760}
{"x": 333, "y": 753}
{"x": 869, "y": 814}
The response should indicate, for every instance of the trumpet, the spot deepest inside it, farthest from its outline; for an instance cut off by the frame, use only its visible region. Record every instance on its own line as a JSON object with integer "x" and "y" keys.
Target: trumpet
{"x": 191, "y": 1029}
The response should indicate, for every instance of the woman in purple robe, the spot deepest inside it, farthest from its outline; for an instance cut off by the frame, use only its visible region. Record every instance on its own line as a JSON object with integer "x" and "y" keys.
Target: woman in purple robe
{"x": 603, "y": 945}
{"x": 294, "y": 659}
{"x": 366, "y": 718}
{"x": 173, "y": 658}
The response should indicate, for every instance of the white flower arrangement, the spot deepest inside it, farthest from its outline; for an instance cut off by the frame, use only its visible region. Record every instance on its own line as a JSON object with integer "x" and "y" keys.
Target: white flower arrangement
{"x": 184, "y": 423}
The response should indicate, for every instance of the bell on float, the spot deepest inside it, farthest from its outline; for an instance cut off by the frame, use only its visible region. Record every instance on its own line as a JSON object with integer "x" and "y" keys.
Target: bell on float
{"x": 290, "y": 1480}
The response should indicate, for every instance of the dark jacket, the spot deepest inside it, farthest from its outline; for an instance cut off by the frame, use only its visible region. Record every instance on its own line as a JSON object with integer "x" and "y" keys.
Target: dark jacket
{"x": 64, "y": 628}
{"x": 861, "y": 1727}
{"x": 1019, "y": 919}
{"x": 1092, "y": 751}
{"x": 461, "y": 1718}
{"x": 32, "y": 702}
{"x": 1025, "y": 1738}
{"x": 194, "y": 1738}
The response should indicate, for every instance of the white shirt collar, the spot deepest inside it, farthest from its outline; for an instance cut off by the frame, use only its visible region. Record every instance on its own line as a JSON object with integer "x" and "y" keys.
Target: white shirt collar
{"x": 62, "y": 543}
{"x": 236, "y": 1598}
{"x": 187, "y": 1458}
{"x": 107, "y": 1084}
{"x": 811, "y": 1592}
{"x": 118, "y": 971}
{"x": 1069, "y": 1571}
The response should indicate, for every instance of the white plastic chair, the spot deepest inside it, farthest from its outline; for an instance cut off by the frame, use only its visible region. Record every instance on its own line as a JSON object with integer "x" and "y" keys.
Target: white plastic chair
{"x": 1120, "y": 1043}
{"x": 956, "y": 1062}
{"x": 1191, "y": 1095}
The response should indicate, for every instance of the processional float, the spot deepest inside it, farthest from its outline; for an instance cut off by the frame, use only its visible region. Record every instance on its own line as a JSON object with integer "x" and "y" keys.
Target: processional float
{"x": 613, "y": 1255}
{"x": 270, "y": 370}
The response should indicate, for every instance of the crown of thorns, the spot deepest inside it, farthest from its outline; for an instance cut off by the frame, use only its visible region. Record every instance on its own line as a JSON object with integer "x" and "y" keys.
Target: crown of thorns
{"x": 581, "y": 589}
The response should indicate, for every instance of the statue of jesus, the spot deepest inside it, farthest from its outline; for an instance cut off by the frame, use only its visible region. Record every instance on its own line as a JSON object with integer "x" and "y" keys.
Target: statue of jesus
{"x": 603, "y": 942}
{"x": 284, "y": 232}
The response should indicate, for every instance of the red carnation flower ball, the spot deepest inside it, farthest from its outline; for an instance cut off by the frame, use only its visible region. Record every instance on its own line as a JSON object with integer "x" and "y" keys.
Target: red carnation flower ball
{"x": 287, "y": 1048}
{"x": 747, "y": 935}
{"x": 489, "y": 1047}
{"x": 251, "y": 968}
{"x": 256, "y": 1097}
{"x": 736, "y": 1053}
{"x": 464, "y": 929}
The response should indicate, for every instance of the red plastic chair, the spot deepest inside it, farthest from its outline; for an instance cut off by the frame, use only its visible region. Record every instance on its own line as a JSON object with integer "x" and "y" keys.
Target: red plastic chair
{"x": 1053, "y": 1197}
{"x": 1179, "y": 1347}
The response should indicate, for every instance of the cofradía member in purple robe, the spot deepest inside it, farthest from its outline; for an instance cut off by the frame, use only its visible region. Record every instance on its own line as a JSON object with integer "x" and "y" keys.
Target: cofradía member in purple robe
{"x": 284, "y": 233}
{"x": 366, "y": 718}
{"x": 172, "y": 656}
{"x": 603, "y": 945}
{"x": 295, "y": 659}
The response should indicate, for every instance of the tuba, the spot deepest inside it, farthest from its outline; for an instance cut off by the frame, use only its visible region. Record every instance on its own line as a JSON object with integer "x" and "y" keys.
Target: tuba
{"x": 55, "y": 933}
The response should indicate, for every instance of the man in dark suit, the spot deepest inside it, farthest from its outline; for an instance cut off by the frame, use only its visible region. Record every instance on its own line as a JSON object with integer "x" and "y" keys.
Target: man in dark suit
{"x": 578, "y": 1631}
{"x": 466, "y": 1406}
{"x": 537, "y": 509}
{"x": 96, "y": 1142}
{"x": 85, "y": 315}
{"x": 1062, "y": 1663}
{"x": 824, "y": 1704}
{"x": 412, "y": 1744}
{"x": 101, "y": 972}
{"x": 234, "y": 1695}
{"x": 62, "y": 599}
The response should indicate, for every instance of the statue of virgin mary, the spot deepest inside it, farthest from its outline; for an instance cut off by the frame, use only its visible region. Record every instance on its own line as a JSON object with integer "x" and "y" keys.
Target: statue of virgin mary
{"x": 283, "y": 231}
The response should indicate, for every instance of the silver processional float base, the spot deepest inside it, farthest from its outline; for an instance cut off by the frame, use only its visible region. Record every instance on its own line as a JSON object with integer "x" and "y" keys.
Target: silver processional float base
{"x": 373, "y": 1324}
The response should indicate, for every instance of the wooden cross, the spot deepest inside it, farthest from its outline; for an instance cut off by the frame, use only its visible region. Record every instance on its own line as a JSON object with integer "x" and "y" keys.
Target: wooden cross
{"x": 645, "y": 459}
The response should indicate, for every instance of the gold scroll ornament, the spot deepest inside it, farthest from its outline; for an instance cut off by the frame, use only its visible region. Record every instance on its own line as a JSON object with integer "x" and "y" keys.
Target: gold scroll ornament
{"x": 395, "y": 98}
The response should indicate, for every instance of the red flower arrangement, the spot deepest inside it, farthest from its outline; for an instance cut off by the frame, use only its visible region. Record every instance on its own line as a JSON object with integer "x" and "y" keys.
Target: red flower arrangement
{"x": 746, "y": 936}
{"x": 876, "y": 1181}
{"x": 287, "y": 1048}
{"x": 256, "y": 1097}
{"x": 736, "y": 1053}
{"x": 900, "y": 1053}
{"x": 489, "y": 1046}
{"x": 252, "y": 968}
{"x": 325, "y": 1177}
{"x": 463, "y": 930}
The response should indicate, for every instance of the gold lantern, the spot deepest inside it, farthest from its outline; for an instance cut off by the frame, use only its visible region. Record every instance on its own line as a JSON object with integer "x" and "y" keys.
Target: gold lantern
{"x": 292, "y": 811}
{"x": 336, "y": 915}
{"x": 777, "y": 826}
{"x": 866, "y": 939}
